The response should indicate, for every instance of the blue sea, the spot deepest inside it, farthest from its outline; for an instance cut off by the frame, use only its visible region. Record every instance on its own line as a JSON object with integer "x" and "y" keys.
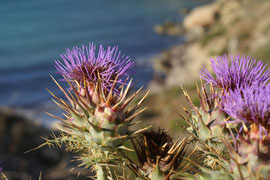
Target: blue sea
{"x": 33, "y": 33}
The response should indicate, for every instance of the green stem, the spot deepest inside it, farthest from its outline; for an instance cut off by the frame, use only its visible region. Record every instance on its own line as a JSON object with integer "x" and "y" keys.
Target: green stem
{"x": 102, "y": 173}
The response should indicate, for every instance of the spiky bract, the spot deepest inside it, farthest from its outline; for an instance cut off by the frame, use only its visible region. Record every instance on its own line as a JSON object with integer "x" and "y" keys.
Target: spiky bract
{"x": 108, "y": 123}
{"x": 205, "y": 126}
{"x": 159, "y": 157}
{"x": 236, "y": 72}
{"x": 204, "y": 120}
{"x": 82, "y": 65}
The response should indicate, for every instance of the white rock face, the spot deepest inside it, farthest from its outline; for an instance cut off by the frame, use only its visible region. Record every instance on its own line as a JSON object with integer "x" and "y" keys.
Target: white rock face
{"x": 203, "y": 16}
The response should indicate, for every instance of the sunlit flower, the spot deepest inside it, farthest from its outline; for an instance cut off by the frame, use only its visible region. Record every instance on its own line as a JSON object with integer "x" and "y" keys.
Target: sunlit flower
{"x": 82, "y": 65}
{"x": 236, "y": 72}
{"x": 98, "y": 95}
{"x": 250, "y": 106}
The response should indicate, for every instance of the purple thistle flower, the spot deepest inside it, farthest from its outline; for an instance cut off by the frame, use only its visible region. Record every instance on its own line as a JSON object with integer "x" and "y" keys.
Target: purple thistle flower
{"x": 82, "y": 64}
{"x": 236, "y": 72}
{"x": 250, "y": 106}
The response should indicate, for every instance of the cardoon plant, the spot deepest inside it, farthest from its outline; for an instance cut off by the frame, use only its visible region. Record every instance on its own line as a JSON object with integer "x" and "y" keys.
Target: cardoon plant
{"x": 251, "y": 107}
{"x": 240, "y": 147}
{"x": 97, "y": 121}
{"x": 229, "y": 131}
{"x": 104, "y": 77}
{"x": 235, "y": 72}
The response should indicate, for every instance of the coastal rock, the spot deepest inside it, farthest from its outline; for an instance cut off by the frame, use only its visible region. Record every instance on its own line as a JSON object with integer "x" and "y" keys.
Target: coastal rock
{"x": 195, "y": 33}
{"x": 201, "y": 17}
{"x": 18, "y": 134}
{"x": 178, "y": 65}
{"x": 169, "y": 28}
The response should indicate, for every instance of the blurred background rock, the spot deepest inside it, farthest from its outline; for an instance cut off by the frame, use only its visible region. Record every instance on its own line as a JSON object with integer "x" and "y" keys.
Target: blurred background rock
{"x": 19, "y": 134}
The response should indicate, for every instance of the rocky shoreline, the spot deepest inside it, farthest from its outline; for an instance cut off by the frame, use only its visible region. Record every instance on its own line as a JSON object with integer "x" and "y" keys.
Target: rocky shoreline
{"x": 224, "y": 26}
{"x": 19, "y": 134}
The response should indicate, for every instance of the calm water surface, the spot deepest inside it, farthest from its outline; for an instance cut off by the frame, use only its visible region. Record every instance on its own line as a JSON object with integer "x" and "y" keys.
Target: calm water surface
{"x": 34, "y": 32}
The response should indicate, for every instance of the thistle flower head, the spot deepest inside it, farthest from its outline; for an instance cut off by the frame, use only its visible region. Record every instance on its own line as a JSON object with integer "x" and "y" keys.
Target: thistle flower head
{"x": 236, "y": 72}
{"x": 250, "y": 106}
{"x": 83, "y": 66}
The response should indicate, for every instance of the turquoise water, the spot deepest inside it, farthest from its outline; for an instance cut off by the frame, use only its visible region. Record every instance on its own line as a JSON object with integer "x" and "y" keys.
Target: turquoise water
{"x": 34, "y": 32}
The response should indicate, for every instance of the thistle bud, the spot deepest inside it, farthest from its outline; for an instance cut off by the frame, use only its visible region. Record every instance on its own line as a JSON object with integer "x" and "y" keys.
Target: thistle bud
{"x": 159, "y": 157}
{"x": 110, "y": 121}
